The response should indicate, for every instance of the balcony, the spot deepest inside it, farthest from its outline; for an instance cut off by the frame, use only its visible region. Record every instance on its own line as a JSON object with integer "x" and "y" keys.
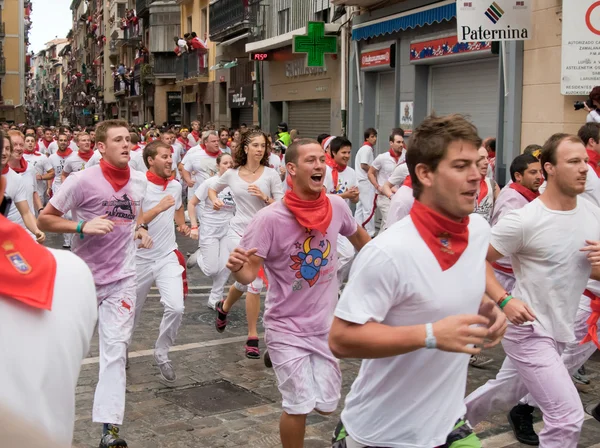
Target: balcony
{"x": 2, "y": 66}
{"x": 132, "y": 35}
{"x": 230, "y": 18}
{"x": 2, "y": 29}
{"x": 192, "y": 66}
{"x": 164, "y": 65}
{"x": 142, "y": 6}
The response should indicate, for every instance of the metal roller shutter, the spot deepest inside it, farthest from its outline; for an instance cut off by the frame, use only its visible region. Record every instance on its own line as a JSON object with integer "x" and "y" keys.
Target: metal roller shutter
{"x": 247, "y": 116}
{"x": 469, "y": 89}
{"x": 310, "y": 118}
{"x": 386, "y": 108}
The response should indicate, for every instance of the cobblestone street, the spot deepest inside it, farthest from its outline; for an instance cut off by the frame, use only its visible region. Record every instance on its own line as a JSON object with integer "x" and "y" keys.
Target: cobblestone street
{"x": 222, "y": 399}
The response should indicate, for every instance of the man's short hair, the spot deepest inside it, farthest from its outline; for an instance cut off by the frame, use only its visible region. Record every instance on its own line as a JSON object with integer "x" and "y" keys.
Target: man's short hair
{"x": 134, "y": 138}
{"x": 550, "y": 148}
{"x": 321, "y": 138}
{"x": 589, "y": 130}
{"x": 339, "y": 143}
{"x": 534, "y": 149}
{"x": 396, "y": 132}
{"x": 291, "y": 154}
{"x": 103, "y": 127}
{"x": 83, "y": 134}
{"x": 15, "y": 133}
{"x": 151, "y": 150}
{"x": 207, "y": 134}
{"x": 520, "y": 164}
{"x": 369, "y": 132}
{"x": 429, "y": 143}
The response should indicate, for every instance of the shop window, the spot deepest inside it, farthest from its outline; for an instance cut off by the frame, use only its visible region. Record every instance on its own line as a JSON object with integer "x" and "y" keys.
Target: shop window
{"x": 222, "y": 98}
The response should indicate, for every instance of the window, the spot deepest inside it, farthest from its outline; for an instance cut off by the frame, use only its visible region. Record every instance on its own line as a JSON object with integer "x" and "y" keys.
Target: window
{"x": 283, "y": 21}
{"x": 121, "y": 10}
{"x": 322, "y": 16}
{"x": 189, "y": 25}
{"x": 223, "y": 98}
{"x": 203, "y": 24}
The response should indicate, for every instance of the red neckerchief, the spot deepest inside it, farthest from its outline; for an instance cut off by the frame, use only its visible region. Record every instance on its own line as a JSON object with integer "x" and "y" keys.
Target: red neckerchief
{"x": 22, "y": 166}
{"x": 483, "y": 190}
{"x": 408, "y": 181}
{"x": 594, "y": 160}
{"x": 212, "y": 154}
{"x": 328, "y": 159}
{"x": 446, "y": 239}
{"x": 136, "y": 147}
{"x": 185, "y": 143}
{"x": 592, "y": 321}
{"x": 28, "y": 269}
{"x": 116, "y": 177}
{"x": 157, "y": 180}
{"x": 34, "y": 152}
{"x": 196, "y": 135}
{"x": 336, "y": 169}
{"x": 368, "y": 144}
{"x": 46, "y": 143}
{"x": 92, "y": 146}
{"x": 85, "y": 155}
{"x": 524, "y": 191}
{"x": 183, "y": 264}
{"x": 310, "y": 214}
{"x": 491, "y": 155}
{"x": 394, "y": 156}
{"x": 5, "y": 169}
{"x": 64, "y": 154}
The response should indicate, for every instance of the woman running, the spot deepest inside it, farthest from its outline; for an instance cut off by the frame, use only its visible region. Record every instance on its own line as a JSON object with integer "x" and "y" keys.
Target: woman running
{"x": 254, "y": 185}
{"x": 214, "y": 224}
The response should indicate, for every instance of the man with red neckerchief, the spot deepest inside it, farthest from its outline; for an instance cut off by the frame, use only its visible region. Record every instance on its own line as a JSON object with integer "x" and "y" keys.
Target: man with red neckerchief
{"x": 43, "y": 144}
{"x": 365, "y": 208}
{"x": 106, "y": 201}
{"x": 162, "y": 264}
{"x": 301, "y": 266}
{"x": 25, "y": 170}
{"x": 48, "y": 313}
{"x": 58, "y": 161}
{"x": 413, "y": 307}
{"x": 203, "y": 162}
{"x": 195, "y": 136}
{"x": 77, "y": 161}
{"x": 382, "y": 168}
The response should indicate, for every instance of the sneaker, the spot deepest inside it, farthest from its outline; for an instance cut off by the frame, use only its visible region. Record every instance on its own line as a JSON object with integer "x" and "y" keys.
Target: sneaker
{"x": 111, "y": 439}
{"x": 166, "y": 370}
{"x": 251, "y": 348}
{"x": 193, "y": 259}
{"x": 66, "y": 247}
{"x": 593, "y": 410}
{"x": 212, "y": 306}
{"x": 267, "y": 360}
{"x": 520, "y": 419}
{"x": 580, "y": 376}
{"x": 479, "y": 360}
{"x": 221, "y": 320}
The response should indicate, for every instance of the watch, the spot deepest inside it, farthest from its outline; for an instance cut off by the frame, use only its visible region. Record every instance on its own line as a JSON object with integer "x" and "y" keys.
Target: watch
{"x": 430, "y": 341}
{"x": 141, "y": 226}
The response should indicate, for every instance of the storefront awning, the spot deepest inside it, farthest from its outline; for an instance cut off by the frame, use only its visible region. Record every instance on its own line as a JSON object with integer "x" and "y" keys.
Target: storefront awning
{"x": 405, "y": 20}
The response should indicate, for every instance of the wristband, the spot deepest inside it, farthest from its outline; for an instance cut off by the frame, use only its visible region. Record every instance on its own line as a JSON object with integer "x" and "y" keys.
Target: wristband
{"x": 430, "y": 341}
{"x": 194, "y": 228}
{"x": 79, "y": 229}
{"x": 505, "y": 301}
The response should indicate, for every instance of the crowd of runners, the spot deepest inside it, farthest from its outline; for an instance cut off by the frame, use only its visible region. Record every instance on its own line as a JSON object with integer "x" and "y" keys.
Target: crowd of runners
{"x": 438, "y": 261}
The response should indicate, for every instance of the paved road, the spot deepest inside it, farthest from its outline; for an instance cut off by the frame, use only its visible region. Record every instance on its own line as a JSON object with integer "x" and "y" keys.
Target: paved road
{"x": 222, "y": 399}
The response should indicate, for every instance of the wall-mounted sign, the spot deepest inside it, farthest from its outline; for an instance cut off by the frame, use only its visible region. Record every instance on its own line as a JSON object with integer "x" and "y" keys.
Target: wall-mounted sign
{"x": 406, "y": 115}
{"x": 580, "y": 47}
{"x": 242, "y": 97}
{"x": 446, "y": 46}
{"x": 260, "y": 57}
{"x": 315, "y": 44}
{"x": 382, "y": 59}
{"x": 481, "y": 20}
{"x": 296, "y": 68}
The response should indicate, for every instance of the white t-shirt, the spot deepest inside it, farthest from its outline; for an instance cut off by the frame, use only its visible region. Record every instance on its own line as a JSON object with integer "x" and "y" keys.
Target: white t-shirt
{"x": 246, "y": 204}
{"x": 44, "y": 349}
{"x": 208, "y": 215}
{"x": 550, "y": 270}
{"x": 485, "y": 207}
{"x": 161, "y": 229}
{"x": 396, "y": 281}
{"x": 385, "y": 165}
{"x": 94, "y": 160}
{"x": 398, "y": 174}
{"x": 400, "y": 205}
{"x": 17, "y": 191}
{"x": 42, "y": 165}
{"x": 274, "y": 162}
{"x": 136, "y": 161}
{"x": 29, "y": 182}
{"x": 58, "y": 163}
{"x": 74, "y": 163}
{"x": 44, "y": 146}
{"x": 364, "y": 155}
{"x": 201, "y": 166}
{"x": 226, "y": 150}
{"x": 592, "y": 194}
{"x": 346, "y": 180}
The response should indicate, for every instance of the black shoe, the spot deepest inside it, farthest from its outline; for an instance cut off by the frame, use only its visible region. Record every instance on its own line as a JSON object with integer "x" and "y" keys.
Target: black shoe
{"x": 594, "y": 411}
{"x": 520, "y": 419}
{"x": 267, "y": 360}
{"x": 111, "y": 439}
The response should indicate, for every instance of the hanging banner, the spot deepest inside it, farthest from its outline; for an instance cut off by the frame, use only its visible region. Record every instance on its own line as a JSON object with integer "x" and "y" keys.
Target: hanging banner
{"x": 580, "y": 47}
{"x": 481, "y": 20}
{"x": 446, "y": 46}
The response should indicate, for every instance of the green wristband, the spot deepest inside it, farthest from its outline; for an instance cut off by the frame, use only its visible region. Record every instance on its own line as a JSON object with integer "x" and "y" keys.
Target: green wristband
{"x": 505, "y": 301}
{"x": 80, "y": 228}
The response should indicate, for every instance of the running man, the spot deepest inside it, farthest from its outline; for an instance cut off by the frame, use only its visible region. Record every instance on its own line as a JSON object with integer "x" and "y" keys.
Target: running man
{"x": 77, "y": 161}
{"x": 365, "y": 208}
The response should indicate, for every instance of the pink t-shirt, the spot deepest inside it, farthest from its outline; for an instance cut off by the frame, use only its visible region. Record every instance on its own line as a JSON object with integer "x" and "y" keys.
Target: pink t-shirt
{"x": 87, "y": 194}
{"x": 301, "y": 267}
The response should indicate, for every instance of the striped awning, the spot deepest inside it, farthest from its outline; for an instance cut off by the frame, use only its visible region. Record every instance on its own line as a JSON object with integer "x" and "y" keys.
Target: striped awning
{"x": 404, "y": 21}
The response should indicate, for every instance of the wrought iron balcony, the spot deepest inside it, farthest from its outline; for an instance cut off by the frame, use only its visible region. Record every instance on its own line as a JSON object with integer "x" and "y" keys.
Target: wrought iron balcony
{"x": 192, "y": 66}
{"x": 2, "y": 29}
{"x": 2, "y": 66}
{"x": 229, "y": 18}
{"x": 164, "y": 65}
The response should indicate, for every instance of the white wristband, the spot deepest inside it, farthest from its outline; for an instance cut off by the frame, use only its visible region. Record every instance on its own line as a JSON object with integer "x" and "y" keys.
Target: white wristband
{"x": 430, "y": 341}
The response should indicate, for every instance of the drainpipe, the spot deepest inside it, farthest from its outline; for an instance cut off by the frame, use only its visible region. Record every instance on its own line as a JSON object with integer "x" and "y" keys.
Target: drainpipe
{"x": 258, "y": 92}
{"x": 344, "y": 83}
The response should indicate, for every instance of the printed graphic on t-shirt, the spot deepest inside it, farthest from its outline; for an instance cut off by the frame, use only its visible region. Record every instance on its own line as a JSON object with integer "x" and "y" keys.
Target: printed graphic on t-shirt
{"x": 227, "y": 198}
{"x": 123, "y": 209}
{"x": 310, "y": 262}
{"x": 340, "y": 188}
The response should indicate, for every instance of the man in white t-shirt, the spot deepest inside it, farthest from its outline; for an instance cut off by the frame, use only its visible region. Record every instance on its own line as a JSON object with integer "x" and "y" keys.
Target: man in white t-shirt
{"x": 195, "y": 136}
{"x": 58, "y": 159}
{"x": 382, "y": 168}
{"x": 551, "y": 272}
{"x": 365, "y": 208}
{"x": 55, "y": 146}
{"x": 413, "y": 306}
{"x": 47, "y": 319}
{"x": 224, "y": 141}
{"x": 43, "y": 168}
{"x": 78, "y": 160}
{"x": 45, "y": 142}
{"x": 202, "y": 164}
{"x": 161, "y": 264}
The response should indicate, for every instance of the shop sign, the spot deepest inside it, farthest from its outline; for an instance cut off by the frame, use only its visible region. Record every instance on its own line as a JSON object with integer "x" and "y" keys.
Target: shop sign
{"x": 382, "y": 59}
{"x": 242, "y": 97}
{"x": 580, "y": 47}
{"x": 446, "y": 46}
{"x": 481, "y": 20}
{"x": 296, "y": 68}
{"x": 189, "y": 97}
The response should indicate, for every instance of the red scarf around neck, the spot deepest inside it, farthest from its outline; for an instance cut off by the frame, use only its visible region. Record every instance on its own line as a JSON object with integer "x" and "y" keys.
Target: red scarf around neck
{"x": 212, "y": 154}
{"x": 185, "y": 143}
{"x": 28, "y": 269}
{"x": 87, "y": 155}
{"x": 483, "y": 190}
{"x": 116, "y": 177}
{"x": 594, "y": 160}
{"x": 157, "y": 180}
{"x": 592, "y": 321}
{"x": 136, "y": 147}
{"x": 22, "y": 166}
{"x": 196, "y": 135}
{"x": 34, "y": 152}
{"x": 46, "y": 143}
{"x": 446, "y": 239}
{"x": 313, "y": 215}
{"x": 64, "y": 154}
{"x": 5, "y": 169}
{"x": 395, "y": 156}
{"x": 336, "y": 169}
{"x": 524, "y": 191}
{"x": 367, "y": 144}
{"x": 408, "y": 181}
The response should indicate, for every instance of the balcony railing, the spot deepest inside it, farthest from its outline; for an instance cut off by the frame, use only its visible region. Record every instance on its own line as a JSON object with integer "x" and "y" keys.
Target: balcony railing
{"x": 2, "y": 29}
{"x": 192, "y": 65}
{"x": 231, "y": 17}
{"x": 142, "y": 6}
{"x": 2, "y": 66}
{"x": 164, "y": 65}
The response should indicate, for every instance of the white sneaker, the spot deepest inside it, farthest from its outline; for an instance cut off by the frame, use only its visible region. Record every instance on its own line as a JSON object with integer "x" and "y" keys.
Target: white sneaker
{"x": 166, "y": 370}
{"x": 193, "y": 259}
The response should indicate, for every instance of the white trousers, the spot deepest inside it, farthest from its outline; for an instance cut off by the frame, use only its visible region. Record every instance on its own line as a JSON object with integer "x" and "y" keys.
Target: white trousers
{"x": 68, "y": 237}
{"x": 214, "y": 252}
{"x": 166, "y": 273}
{"x": 383, "y": 204}
{"x": 346, "y": 253}
{"x": 115, "y": 327}
{"x": 233, "y": 241}
{"x": 364, "y": 207}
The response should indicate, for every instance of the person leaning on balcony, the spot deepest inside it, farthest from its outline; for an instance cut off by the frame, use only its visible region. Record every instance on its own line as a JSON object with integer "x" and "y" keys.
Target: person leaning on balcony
{"x": 180, "y": 45}
{"x": 195, "y": 43}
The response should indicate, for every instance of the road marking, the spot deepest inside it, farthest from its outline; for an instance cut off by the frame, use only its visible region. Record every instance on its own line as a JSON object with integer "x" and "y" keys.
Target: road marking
{"x": 179, "y": 348}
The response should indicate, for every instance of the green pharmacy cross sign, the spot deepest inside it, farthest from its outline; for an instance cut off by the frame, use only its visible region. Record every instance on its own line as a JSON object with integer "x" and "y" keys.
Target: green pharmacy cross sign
{"x": 315, "y": 44}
